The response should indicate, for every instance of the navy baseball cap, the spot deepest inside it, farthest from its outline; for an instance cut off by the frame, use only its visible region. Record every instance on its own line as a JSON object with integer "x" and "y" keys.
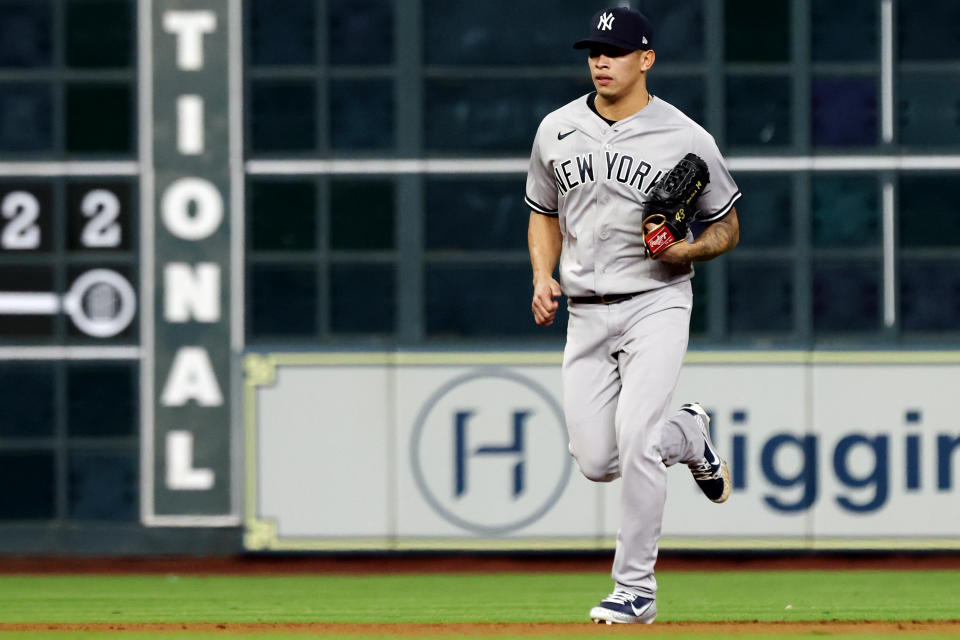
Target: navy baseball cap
{"x": 619, "y": 27}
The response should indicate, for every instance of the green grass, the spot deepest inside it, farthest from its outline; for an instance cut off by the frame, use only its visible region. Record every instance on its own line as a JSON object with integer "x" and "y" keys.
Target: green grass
{"x": 811, "y": 595}
{"x": 764, "y": 596}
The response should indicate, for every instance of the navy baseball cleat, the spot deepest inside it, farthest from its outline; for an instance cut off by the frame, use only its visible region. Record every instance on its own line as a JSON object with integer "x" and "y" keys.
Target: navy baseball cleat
{"x": 711, "y": 473}
{"x": 623, "y": 607}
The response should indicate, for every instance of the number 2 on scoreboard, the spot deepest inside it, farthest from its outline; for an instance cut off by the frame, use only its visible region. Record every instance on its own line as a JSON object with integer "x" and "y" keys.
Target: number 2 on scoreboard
{"x": 22, "y": 209}
{"x": 21, "y": 213}
{"x": 103, "y": 209}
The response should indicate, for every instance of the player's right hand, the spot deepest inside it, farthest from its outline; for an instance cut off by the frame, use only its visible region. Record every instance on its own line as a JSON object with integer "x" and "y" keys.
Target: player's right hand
{"x": 545, "y": 294}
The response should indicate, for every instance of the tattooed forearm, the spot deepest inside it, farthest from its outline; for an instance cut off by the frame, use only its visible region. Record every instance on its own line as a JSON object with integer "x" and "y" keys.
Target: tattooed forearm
{"x": 717, "y": 239}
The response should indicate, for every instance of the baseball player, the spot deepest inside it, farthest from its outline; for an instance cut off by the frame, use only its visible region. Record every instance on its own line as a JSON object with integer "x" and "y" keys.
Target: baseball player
{"x": 595, "y": 164}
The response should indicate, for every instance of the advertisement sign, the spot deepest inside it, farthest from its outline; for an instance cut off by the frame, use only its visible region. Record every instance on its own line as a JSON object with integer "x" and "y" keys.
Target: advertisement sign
{"x": 393, "y": 451}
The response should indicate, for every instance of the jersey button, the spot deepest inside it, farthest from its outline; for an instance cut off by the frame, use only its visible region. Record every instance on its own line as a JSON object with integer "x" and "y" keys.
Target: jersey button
{"x": 604, "y": 234}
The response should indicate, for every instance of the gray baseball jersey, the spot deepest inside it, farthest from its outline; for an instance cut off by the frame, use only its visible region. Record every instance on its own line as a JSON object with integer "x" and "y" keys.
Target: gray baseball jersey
{"x": 595, "y": 176}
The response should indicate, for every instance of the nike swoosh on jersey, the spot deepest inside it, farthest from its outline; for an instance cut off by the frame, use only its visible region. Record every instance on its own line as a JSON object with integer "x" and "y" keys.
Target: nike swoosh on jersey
{"x": 561, "y": 136}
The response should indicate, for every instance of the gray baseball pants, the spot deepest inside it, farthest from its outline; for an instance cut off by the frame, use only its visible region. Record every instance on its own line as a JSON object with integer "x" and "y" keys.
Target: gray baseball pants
{"x": 620, "y": 368}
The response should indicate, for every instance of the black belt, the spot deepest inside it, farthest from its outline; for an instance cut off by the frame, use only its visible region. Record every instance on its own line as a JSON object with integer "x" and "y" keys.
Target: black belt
{"x": 610, "y": 298}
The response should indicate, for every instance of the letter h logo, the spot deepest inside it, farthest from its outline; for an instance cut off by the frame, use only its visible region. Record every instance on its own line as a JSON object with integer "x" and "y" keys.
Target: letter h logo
{"x": 461, "y": 454}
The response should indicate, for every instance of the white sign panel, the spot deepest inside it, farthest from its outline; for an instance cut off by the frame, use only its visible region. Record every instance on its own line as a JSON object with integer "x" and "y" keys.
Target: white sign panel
{"x": 391, "y": 451}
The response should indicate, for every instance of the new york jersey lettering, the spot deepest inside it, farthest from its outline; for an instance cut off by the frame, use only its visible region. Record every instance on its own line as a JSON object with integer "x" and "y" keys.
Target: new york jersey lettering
{"x": 569, "y": 176}
{"x": 620, "y": 167}
{"x": 624, "y": 168}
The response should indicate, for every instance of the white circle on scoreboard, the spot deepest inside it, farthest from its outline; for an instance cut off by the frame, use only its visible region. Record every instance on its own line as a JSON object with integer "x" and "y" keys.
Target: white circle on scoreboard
{"x": 101, "y": 303}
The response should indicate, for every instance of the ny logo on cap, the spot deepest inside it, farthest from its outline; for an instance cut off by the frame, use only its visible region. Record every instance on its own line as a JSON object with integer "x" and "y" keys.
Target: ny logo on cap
{"x": 606, "y": 22}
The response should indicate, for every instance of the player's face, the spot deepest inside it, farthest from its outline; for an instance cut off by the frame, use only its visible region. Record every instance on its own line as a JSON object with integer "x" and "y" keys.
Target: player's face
{"x": 615, "y": 71}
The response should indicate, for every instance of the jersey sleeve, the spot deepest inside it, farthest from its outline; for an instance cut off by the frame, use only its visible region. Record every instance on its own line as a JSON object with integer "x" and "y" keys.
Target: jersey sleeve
{"x": 718, "y": 198}
{"x": 541, "y": 193}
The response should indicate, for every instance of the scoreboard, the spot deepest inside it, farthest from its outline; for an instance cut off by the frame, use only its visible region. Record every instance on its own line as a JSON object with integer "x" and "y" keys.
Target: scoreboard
{"x": 92, "y": 235}
{"x": 132, "y": 264}
{"x": 191, "y": 202}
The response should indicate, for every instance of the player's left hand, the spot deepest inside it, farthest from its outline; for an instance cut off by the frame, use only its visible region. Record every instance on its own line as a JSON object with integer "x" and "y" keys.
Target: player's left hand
{"x": 676, "y": 254}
